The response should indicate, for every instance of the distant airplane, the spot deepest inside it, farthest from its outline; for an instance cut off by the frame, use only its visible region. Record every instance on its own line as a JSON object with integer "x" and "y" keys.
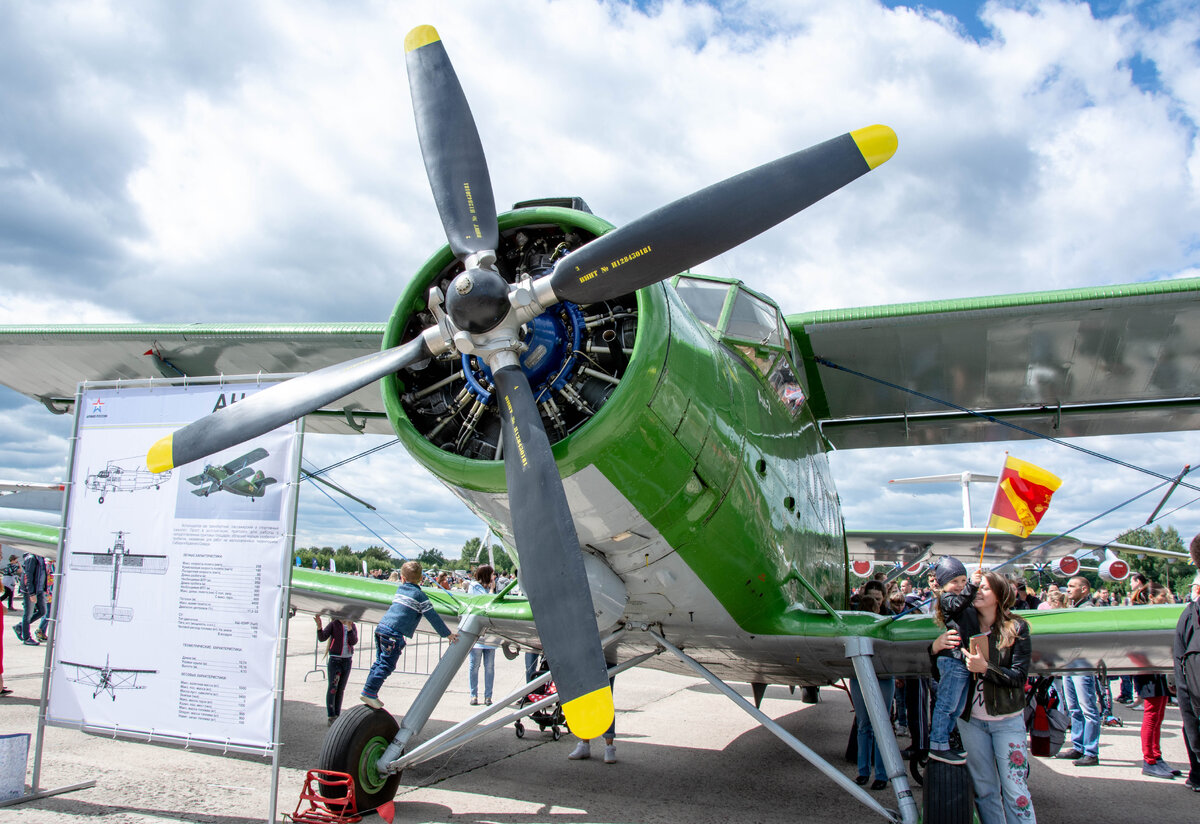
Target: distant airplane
{"x": 115, "y": 560}
{"x": 106, "y": 679}
{"x": 117, "y": 478}
{"x": 237, "y": 477}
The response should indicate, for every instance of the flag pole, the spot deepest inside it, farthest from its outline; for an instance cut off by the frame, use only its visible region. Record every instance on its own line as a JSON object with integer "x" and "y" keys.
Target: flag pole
{"x": 991, "y": 510}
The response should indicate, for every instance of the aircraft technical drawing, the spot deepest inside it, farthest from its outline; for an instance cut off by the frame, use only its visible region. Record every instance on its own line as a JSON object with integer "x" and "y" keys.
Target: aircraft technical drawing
{"x": 115, "y": 477}
{"x": 237, "y": 477}
{"x": 652, "y": 443}
{"x": 106, "y": 678}
{"x": 114, "y": 561}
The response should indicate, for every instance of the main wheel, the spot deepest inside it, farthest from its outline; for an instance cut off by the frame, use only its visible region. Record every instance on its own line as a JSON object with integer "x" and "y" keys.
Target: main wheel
{"x": 949, "y": 797}
{"x": 353, "y": 745}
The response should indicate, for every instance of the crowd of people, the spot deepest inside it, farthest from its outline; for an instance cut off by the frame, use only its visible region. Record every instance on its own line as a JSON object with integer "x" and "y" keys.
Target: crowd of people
{"x": 973, "y": 709}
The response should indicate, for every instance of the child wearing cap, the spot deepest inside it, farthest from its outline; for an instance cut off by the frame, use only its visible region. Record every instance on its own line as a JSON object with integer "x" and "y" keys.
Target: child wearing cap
{"x": 953, "y": 596}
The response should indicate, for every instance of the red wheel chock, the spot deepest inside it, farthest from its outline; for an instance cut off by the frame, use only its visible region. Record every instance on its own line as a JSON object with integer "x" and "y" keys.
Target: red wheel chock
{"x": 323, "y": 808}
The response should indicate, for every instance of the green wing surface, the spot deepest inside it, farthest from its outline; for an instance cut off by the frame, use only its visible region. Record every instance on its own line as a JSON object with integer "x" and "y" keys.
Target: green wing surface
{"x": 1099, "y": 361}
{"x": 47, "y": 362}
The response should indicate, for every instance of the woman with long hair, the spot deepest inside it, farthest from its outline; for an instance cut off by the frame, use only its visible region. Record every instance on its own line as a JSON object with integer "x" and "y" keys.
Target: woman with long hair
{"x": 992, "y": 726}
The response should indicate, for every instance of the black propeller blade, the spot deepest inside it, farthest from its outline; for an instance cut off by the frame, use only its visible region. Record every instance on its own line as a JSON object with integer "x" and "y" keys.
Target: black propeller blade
{"x": 711, "y": 221}
{"x": 450, "y": 145}
{"x": 279, "y": 404}
{"x": 552, "y": 572}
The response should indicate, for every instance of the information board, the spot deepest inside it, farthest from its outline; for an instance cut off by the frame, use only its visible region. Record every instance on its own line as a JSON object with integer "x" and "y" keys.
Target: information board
{"x": 172, "y": 586}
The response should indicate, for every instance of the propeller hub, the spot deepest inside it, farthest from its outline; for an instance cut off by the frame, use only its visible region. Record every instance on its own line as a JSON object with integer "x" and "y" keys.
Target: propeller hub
{"x": 478, "y": 300}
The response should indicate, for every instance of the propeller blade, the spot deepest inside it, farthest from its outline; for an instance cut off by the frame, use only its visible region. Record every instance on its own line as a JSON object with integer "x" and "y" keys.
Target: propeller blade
{"x": 280, "y": 404}
{"x": 454, "y": 160}
{"x": 706, "y": 223}
{"x": 552, "y": 572}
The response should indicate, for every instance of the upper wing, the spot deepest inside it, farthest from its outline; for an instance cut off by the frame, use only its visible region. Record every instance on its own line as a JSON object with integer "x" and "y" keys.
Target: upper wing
{"x": 238, "y": 466}
{"x": 1102, "y": 361}
{"x": 47, "y": 362}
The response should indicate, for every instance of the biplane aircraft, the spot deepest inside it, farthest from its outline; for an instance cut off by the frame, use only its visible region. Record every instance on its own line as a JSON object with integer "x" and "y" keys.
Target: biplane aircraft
{"x": 115, "y": 477}
{"x": 106, "y": 678}
{"x": 113, "y": 561}
{"x": 652, "y": 443}
{"x": 237, "y": 477}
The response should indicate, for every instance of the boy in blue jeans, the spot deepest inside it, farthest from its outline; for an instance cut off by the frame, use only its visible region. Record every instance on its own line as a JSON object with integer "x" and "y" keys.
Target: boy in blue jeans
{"x": 954, "y": 596}
{"x": 399, "y": 622}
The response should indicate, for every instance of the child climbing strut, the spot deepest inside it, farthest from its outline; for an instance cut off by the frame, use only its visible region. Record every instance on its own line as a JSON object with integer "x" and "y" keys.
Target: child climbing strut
{"x": 400, "y": 620}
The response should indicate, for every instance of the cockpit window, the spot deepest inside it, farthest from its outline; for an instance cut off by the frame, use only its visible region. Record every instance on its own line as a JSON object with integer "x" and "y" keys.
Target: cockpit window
{"x": 705, "y": 298}
{"x": 753, "y": 319}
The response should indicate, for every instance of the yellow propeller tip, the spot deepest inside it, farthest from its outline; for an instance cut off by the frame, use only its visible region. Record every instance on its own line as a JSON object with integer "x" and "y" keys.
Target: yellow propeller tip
{"x": 420, "y": 36}
{"x": 589, "y": 716}
{"x": 877, "y": 144}
{"x": 160, "y": 457}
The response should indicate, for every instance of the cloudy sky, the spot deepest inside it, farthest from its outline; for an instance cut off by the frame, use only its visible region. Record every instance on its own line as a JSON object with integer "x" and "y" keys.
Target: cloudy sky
{"x": 231, "y": 161}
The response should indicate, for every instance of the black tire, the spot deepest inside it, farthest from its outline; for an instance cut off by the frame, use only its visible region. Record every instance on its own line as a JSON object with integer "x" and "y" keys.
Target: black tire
{"x": 520, "y": 730}
{"x": 101, "y": 499}
{"x": 556, "y": 732}
{"x": 353, "y": 744}
{"x": 949, "y": 798}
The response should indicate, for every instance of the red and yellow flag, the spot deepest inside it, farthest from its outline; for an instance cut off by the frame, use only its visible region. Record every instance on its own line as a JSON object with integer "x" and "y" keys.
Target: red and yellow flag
{"x": 1022, "y": 497}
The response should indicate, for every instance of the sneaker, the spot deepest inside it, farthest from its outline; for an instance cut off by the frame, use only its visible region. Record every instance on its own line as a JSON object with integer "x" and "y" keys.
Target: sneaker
{"x": 373, "y": 703}
{"x": 902, "y": 731}
{"x": 861, "y": 780}
{"x": 1087, "y": 761}
{"x": 17, "y": 631}
{"x": 474, "y": 701}
{"x": 487, "y": 702}
{"x": 329, "y": 723}
{"x": 1124, "y": 699}
{"x": 41, "y": 635}
{"x": 1192, "y": 785}
{"x": 1070, "y": 754}
{"x": 1158, "y": 770}
{"x": 610, "y": 754}
{"x": 879, "y": 784}
{"x": 582, "y": 750}
{"x": 29, "y": 642}
{"x": 951, "y": 755}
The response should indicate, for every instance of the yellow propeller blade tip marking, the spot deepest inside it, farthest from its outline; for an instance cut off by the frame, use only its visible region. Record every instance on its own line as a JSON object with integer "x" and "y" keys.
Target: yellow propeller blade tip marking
{"x": 877, "y": 144}
{"x": 159, "y": 458}
{"x": 589, "y": 716}
{"x": 420, "y": 36}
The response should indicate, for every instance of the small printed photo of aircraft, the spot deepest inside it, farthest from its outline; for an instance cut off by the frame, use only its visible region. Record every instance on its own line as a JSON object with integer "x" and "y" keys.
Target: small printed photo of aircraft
{"x": 237, "y": 477}
{"x": 125, "y": 475}
{"x": 114, "y": 561}
{"x": 106, "y": 678}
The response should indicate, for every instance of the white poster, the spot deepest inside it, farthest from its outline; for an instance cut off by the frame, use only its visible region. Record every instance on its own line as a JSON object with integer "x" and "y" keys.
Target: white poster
{"x": 172, "y": 583}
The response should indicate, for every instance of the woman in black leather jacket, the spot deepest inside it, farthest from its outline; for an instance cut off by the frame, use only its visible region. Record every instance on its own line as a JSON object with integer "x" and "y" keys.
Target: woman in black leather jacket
{"x": 992, "y": 726}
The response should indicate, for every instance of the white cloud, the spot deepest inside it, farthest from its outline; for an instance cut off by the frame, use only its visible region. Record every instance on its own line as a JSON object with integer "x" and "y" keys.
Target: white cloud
{"x": 258, "y": 162}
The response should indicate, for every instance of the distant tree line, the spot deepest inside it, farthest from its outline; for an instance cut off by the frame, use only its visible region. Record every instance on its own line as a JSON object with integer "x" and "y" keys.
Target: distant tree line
{"x": 346, "y": 559}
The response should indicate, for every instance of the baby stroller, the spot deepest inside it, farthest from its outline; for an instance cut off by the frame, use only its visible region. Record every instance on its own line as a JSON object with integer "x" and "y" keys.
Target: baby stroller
{"x": 550, "y": 715}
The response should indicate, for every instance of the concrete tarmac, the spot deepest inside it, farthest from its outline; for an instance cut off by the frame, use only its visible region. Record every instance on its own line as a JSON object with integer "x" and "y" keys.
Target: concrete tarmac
{"x": 685, "y": 754}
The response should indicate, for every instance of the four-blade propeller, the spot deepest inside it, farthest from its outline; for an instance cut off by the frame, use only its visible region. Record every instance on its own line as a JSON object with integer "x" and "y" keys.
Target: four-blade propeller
{"x": 485, "y": 318}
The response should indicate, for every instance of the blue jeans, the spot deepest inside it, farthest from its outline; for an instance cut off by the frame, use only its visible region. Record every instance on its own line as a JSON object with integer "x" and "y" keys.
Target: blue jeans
{"x": 1126, "y": 687}
{"x": 953, "y": 679}
{"x": 387, "y": 652}
{"x": 1079, "y": 694}
{"x": 488, "y": 656}
{"x": 35, "y": 608}
{"x": 867, "y": 747}
{"x": 998, "y": 760}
